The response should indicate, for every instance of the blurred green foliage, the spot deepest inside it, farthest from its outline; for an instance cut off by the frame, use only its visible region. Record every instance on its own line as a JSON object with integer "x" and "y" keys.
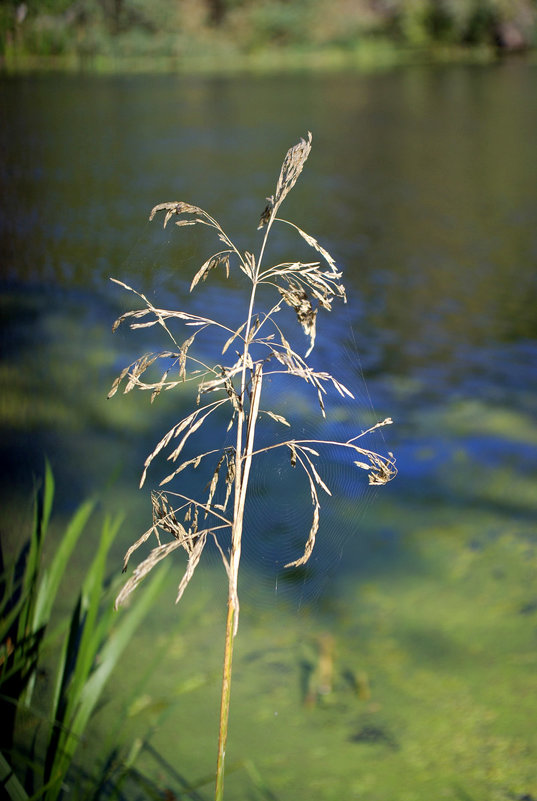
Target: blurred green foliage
{"x": 221, "y": 30}
{"x": 42, "y": 729}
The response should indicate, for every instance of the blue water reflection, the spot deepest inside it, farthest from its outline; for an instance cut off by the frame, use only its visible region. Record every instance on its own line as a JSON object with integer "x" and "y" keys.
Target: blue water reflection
{"x": 422, "y": 184}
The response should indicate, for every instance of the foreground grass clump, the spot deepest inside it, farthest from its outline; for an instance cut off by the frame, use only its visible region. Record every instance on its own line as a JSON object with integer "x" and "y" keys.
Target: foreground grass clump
{"x": 261, "y": 349}
{"x": 41, "y": 733}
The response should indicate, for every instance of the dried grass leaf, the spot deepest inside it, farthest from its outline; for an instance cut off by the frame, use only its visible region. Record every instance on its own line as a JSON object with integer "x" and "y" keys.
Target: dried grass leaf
{"x": 192, "y": 429}
{"x": 233, "y": 336}
{"x": 278, "y": 417}
{"x": 210, "y": 264}
{"x": 192, "y": 563}
{"x": 341, "y": 388}
{"x": 321, "y": 402}
{"x": 191, "y": 462}
{"x": 174, "y": 432}
{"x": 247, "y": 265}
{"x": 214, "y": 481}
{"x": 310, "y": 544}
{"x": 117, "y": 382}
{"x": 175, "y": 207}
{"x": 141, "y": 571}
{"x": 314, "y": 244}
{"x": 305, "y": 450}
{"x": 140, "y": 541}
{"x": 230, "y": 475}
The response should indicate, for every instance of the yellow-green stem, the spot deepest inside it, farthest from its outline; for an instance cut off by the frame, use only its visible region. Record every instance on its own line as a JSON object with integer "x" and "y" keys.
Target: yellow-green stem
{"x": 234, "y": 561}
{"x": 241, "y": 483}
{"x": 225, "y": 699}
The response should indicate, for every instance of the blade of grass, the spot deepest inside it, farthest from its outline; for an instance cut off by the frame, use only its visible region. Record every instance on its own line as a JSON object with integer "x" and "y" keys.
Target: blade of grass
{"x": 81, "y": 686}
{"x": 42, "y": 514}
{"x": 9, "y": 782}
{"x": 77, "y": 658}
{"x": 52, "y": 576}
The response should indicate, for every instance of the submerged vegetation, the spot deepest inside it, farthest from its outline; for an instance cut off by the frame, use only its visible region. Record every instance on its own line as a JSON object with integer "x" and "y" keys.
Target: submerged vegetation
{"x": 259, "y": 34}
{"x": 261, "y": 351}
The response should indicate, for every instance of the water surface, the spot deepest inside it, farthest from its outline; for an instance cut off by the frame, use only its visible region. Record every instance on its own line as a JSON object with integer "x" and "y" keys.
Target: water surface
{"x": 422, "y": 184}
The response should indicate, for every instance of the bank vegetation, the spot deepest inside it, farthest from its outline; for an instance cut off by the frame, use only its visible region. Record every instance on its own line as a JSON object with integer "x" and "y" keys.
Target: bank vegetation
{"x": 177, "y": 35}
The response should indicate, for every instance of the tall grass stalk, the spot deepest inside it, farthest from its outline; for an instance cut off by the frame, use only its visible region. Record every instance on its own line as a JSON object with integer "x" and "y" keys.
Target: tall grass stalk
{"x": 262, "y": 349}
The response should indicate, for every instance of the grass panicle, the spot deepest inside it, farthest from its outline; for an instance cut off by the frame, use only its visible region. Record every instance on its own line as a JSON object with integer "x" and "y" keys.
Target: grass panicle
{"x": 260, "y": 349}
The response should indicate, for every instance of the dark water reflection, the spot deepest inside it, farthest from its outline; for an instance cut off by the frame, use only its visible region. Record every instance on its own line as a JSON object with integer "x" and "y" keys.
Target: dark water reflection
{"x": 422, "y": 183}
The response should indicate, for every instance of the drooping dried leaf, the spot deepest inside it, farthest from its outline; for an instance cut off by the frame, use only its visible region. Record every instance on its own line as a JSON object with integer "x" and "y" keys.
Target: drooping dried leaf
{"x": 230, "y": 475}
{"x": 341, "y": 388}
{"x": 141, "y": 571}
{"x": 193, "y": 427}
{"x": 310, "y": 544}
{"x": 140, "y": 541}
{"x": 233, "y": 337}
{"x": 321, "y": 402}
{"x": 175, "y": 431}
{"x": 210, "y": 264}
{"x": 191, "y": 462}
{"x": 278, "y": 417}
{"x": 175, "y": 207}
{"x": 214, "y": 482}
{"x": 117, "y": 381}
{"x": 314, "y": 244}
{"x": 309, "y": 450}
{"x": 193, "y": 560}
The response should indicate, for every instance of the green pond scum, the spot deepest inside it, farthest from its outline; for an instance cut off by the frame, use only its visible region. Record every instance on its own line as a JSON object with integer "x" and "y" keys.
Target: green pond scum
{"x": 431, "y": 690}
{"x": 415, "y": 680}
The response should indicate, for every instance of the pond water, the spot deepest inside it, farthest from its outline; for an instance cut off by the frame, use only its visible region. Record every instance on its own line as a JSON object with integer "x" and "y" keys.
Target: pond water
{"x": 422, "y": 183}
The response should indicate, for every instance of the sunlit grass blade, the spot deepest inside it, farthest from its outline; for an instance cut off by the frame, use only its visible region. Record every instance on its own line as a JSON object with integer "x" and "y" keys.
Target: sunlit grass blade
{"x": 91, "y": 652}
{"x": 114, "y": 647}
{"x": 78, "y": 655}
{"x": 11, "y": 786}
{"x": 34, "y": 552}
{"x": 52, "y": 576}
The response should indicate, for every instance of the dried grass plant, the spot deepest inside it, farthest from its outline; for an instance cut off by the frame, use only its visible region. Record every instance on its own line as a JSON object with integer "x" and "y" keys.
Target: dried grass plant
{"x": 261, "y": 348}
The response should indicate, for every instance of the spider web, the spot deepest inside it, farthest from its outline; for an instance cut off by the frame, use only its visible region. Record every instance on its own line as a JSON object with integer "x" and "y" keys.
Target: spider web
{"x": 279, "y": 511}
